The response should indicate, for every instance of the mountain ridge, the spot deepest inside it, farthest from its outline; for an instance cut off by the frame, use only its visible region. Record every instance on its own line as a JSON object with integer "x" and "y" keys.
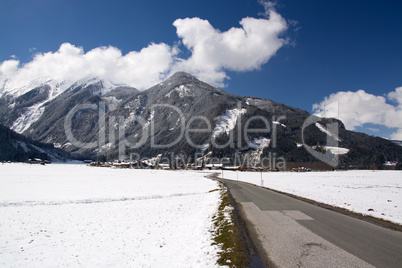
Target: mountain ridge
{"x": 94, "y": 119}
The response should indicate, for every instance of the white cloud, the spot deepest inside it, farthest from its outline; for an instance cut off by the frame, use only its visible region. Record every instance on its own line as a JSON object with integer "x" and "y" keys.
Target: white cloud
{"x": 355, "y": 109}
{"x": 238, "y": 49}
{"x": 139, "y": 69}
{"x": 397, "y": 135}
{"x": 8, "y": 68}
{"x": 396, "y": 95}
{"x": 212, "y": 54}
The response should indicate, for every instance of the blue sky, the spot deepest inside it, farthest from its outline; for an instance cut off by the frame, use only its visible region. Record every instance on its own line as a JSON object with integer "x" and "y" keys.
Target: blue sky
{"x": 328, "y": 50}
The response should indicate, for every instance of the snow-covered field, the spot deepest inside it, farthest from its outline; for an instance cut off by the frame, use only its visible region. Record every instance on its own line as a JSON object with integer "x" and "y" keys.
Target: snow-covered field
{"x": 374, "y": 193}
{"x": 75, "y": 215}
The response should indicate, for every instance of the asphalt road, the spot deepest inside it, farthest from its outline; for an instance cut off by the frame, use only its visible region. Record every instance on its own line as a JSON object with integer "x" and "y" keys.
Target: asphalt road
{"x": 294, "y": 233}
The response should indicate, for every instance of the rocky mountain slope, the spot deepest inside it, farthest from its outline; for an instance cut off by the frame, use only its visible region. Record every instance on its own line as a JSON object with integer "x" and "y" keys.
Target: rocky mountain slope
{"x": 181, "y": 117}
{"x": 16, "y": 147}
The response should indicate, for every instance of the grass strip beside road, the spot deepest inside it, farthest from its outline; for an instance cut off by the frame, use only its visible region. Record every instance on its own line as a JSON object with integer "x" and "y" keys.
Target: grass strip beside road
{"x": 227, "y": 236}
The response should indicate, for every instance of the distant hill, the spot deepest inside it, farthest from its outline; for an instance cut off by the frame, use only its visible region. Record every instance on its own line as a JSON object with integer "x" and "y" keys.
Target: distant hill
{"x": 18, "y": 148}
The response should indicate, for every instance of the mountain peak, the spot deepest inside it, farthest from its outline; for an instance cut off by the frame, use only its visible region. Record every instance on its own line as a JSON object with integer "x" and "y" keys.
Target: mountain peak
{"x": 182, "y": 76}
{"x": 179, "y": 79}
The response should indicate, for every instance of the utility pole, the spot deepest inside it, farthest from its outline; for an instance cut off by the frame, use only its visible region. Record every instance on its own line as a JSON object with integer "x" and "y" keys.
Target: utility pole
{"x": 262, "y": 182}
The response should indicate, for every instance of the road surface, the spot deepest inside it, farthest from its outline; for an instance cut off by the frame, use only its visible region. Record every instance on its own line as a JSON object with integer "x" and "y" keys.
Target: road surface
{"x": 293, "y": 233}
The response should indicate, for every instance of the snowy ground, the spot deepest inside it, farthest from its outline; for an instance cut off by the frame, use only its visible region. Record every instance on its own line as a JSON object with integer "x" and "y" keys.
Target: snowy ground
{"x": 75, "y": 215}
{"x": 359, "y": 191}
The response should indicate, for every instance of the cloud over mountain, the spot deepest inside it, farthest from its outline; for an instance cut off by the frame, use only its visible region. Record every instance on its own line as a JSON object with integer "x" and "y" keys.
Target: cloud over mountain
{"x": 212, "y": 54}
{"x": 238, "y": 49}
{"x": 141, "y": 68}
{"x": 358, "y": 108}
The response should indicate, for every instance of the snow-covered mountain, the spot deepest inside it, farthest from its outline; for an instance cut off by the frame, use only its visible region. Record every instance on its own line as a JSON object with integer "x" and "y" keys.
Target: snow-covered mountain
{"x": 180, "y": 116}
{"x": 28, "y": 102}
